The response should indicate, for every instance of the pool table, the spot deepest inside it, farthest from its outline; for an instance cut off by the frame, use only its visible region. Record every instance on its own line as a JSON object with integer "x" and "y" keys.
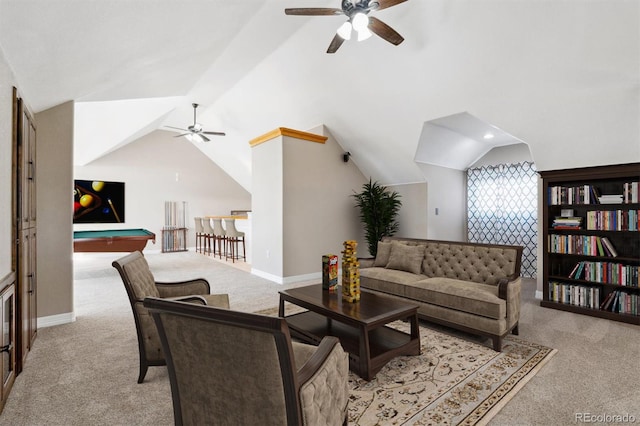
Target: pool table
{"x": 126, "y": 240}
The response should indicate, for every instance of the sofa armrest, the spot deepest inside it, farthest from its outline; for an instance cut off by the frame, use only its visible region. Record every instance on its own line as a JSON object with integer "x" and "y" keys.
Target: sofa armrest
{"x": 183, "y": 288}
{"x": 510, "y": 292}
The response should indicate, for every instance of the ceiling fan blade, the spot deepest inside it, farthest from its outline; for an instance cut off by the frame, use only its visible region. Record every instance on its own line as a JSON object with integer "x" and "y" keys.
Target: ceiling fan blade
{"x": 388, "y": 3}
{"x": 204, "y": 138}
{"x": 383, "y": 30}
{"x": 215, "y": 133}
{"x": 313, "y": 11}
{"x": 335, "y": 44}
{"x": 177, "y": 128}
{"x": 184, "y": 134}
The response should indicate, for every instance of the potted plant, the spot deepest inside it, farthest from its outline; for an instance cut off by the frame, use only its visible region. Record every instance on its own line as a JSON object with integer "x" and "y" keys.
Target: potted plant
{"x": 379, "y": 208}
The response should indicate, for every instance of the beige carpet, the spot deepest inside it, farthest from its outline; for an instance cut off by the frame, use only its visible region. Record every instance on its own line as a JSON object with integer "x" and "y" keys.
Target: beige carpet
{"x": 85, "y": 373}
{"x": 454, "y": 381}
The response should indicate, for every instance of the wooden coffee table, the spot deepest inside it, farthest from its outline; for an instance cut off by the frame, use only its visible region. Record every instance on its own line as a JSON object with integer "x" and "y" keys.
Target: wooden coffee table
{"x": 360, "y": 326}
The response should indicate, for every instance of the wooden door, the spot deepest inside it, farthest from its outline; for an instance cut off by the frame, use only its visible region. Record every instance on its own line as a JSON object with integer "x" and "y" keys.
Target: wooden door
{"x": 27, "y": 293}
{"x": 25, "y": 231}
{"x": 26, "y": 169}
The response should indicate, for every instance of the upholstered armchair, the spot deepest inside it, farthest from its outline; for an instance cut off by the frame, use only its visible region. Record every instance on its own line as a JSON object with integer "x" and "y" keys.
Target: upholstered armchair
{"x": 140, "y": 283}
{"x": 234, "y": 368}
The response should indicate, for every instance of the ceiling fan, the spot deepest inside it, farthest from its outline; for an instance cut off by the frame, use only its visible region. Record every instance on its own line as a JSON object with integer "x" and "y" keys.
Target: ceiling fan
{"x": 358, "y": 20}
{"x": 195, "y": 133}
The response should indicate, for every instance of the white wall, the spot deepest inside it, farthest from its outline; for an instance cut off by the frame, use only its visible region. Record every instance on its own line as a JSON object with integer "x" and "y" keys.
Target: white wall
{"x": 54, "y": 148}
{"x": 158, "y": 168}
{"x": 267, "y": 209}
{"x": 302, "y": 205}
{"x": 446, "y": 192}
{"x": 413, "y": 213}
{"x": 7, "y": 82}
{"x": 319, "y": 212}
{"x": 509, "y": 154}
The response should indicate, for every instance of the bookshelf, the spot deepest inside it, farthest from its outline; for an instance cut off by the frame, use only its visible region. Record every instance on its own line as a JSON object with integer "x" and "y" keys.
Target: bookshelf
{"x": 591, "y": 258}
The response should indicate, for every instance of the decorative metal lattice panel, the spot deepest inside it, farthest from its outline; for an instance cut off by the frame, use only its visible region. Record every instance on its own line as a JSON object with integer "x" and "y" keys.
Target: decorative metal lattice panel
{"x": 502, "y": 208}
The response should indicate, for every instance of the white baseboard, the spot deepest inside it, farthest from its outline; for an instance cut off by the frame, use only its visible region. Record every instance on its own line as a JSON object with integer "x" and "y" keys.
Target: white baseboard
{"x": 538, "y": 295}
{"x": 305, "y": 277}
{"x": 59, "y": 319}
{"x": 286, "y": 280}
{"x": 267, "y": 276}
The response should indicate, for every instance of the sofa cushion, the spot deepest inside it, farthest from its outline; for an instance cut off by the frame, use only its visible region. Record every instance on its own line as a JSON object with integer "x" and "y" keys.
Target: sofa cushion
{"x": 382, "y": 257}
{"x": 475, "y": 298}
{"x": 387, "y": 280}
{"x": 405, "y": 257}
{"x": 468, "y": 263}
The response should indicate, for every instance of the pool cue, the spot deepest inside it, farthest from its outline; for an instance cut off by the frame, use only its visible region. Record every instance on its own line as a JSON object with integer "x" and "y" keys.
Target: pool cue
{"x": 113, "y": 209}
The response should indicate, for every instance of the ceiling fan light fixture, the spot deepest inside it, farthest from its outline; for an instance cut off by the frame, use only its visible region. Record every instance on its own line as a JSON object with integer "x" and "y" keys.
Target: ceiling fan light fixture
{"x": 360, "y": 22}
{"x": 345, "y": 31}
{"x": 364, "y": 34}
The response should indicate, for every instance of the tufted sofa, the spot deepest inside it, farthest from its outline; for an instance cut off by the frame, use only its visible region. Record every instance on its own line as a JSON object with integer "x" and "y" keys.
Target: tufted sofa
{"x": 471, "y": 287}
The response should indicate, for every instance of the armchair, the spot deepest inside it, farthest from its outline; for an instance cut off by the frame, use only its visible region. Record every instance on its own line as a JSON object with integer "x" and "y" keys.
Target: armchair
{"x": 234, "y": 368}
{"x": 140, "y": 283}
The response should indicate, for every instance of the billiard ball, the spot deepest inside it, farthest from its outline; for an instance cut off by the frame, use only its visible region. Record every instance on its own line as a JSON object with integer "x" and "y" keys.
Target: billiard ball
{"x": 97, "y": 185}
{"x": 86, "y": 200}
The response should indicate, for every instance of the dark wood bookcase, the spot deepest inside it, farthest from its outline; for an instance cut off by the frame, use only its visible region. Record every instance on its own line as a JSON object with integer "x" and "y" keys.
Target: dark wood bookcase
{"x": 565, "y": 248}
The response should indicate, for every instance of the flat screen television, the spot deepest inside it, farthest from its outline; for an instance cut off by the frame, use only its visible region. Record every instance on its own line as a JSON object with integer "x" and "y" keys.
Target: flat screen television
{"x": 98, "y": 201}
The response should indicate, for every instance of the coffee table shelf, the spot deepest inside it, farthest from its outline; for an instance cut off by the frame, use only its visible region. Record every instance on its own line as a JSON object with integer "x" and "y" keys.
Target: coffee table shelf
{"x": 312, "y": 327}
{"x": 361, "y": 327}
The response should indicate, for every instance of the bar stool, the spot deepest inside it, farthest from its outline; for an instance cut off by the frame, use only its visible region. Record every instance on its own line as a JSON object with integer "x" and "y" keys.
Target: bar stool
{"x": 219, "y": 236}
{"x": 199, "y": 233}
{"x": 234, "y": 237}
{"x": 208, "y": 235}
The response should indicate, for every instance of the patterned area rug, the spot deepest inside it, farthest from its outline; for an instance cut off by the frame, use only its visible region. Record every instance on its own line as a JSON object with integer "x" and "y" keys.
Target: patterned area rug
{"x": 453, "y": 381}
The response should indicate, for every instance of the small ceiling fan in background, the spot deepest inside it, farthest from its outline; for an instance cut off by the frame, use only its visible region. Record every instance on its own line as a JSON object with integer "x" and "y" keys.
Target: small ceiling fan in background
{"x": 195, "y": 133}
{"x": 358, "y": 20}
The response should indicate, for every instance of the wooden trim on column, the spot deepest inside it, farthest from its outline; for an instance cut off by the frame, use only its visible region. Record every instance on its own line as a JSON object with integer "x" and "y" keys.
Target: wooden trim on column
{"x": 284, "y": 131}
{"x": 15, "y": 117}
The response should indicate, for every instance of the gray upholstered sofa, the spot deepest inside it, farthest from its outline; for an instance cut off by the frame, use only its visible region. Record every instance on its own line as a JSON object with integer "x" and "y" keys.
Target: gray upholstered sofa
{"x": 471, "y": 287}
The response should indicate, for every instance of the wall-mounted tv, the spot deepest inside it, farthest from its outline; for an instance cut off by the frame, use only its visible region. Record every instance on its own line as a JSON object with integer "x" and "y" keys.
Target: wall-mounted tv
{"x": 98, "y": 201}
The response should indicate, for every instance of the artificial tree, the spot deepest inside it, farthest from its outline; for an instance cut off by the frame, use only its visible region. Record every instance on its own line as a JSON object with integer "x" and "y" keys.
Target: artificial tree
{"x": 379, "y": 208}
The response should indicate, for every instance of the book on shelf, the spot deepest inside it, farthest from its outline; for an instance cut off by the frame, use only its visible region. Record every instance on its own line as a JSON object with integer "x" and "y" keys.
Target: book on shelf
{"x": 621, "y": 302}
{"x": 582, "y": 194}
{"x": 609, "y": 247}
{"x": 595, "y": 194}
{"x": 613, "y": 220}
{"x": 611, "y": 199}
{"x": 607, "y": 300}
{"x": 606, "y": 272}
{"x": 574, "y": 294}
{"x": 567, "y": 223}
{"x": 573, "y": 273}
{"x": 631, "y": 192}
{"x": 589, "y": 245}
{"x": 576, "y": 272}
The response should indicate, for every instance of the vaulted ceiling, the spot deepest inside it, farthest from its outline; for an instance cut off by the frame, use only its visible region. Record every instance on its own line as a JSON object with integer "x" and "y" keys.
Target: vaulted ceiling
{"x": 533, "y": 69}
